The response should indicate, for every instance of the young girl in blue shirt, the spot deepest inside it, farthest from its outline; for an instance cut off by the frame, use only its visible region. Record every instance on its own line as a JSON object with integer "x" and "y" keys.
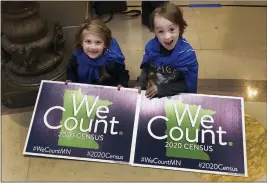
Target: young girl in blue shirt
{"x": 97, "y": 57}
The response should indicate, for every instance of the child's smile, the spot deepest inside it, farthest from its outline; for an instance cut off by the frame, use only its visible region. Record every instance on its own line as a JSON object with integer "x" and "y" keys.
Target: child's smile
{"x": 93, "y": 52}
{"x": 168, "y": 43}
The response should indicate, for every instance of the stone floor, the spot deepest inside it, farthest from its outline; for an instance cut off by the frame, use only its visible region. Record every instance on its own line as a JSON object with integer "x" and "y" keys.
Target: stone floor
{"x": 230, "y": 43}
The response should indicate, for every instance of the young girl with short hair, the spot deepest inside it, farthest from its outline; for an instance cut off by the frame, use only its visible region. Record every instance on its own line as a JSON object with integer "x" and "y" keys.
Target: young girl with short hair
{"x": 97, "y": 57}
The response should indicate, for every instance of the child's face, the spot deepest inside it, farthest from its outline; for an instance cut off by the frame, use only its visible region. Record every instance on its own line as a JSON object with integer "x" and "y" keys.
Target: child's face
{"x": 166, "y": 32}
{"x": 92, "y": 45}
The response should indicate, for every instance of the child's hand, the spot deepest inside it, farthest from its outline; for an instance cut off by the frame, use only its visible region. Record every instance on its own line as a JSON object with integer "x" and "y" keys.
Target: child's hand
{"x": 67, "y": 81}
{"x": 152, "y": 91}
{"x": 119, "y": 87}
{"x": 139, "y": 89}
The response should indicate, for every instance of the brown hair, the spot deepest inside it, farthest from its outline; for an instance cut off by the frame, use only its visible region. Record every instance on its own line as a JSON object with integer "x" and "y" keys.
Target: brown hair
{"x": 96, "y": 27}
{"x": 172, "y": 13}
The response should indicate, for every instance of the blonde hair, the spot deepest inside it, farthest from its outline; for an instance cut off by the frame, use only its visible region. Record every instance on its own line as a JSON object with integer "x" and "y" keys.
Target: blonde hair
{"x": 95, "y": 27}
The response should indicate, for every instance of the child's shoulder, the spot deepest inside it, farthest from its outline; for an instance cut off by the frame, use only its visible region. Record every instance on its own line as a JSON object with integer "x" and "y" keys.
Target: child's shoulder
{"x": 152, "y": 42}
{"x": 76, "y": 52}
{"x": 186, "y": 49}
{"x": 114, "y": 42}
{"x": 185, "y": 44}
{"x": 113, "y": 39}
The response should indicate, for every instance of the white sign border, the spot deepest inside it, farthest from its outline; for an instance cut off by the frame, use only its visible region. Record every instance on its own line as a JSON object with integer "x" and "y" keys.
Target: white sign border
{"x": 132, "y": 156}
{"x": 134, "y": 135}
